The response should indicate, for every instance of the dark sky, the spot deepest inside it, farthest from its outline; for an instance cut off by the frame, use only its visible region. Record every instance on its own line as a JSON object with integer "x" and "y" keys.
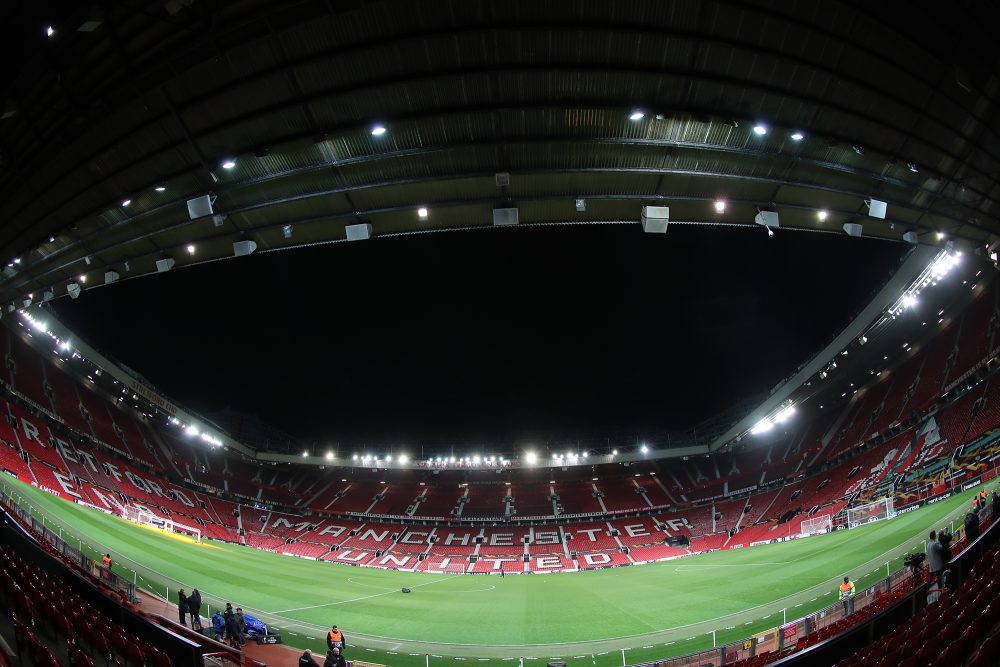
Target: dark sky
{"x": 489, "y": 337}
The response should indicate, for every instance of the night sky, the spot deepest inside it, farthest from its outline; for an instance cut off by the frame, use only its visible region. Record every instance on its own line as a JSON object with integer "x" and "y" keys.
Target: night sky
{"x": 489, "y": 337}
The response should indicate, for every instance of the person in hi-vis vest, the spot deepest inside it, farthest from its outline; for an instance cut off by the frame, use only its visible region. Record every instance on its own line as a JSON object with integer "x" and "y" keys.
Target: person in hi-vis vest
{"x": 847, "y": 595}
{"x": 335, "y": 639}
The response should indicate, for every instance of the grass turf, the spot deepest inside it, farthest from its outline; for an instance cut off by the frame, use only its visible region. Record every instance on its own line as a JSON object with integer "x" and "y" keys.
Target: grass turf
{"x": 654, "y": 610}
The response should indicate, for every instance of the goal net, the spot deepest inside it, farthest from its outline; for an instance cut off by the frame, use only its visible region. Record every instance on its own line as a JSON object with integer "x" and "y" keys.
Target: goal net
{"x": 147, "y": 518}
{"x": 816, "y": 524}
{"x": 859, "y": 516}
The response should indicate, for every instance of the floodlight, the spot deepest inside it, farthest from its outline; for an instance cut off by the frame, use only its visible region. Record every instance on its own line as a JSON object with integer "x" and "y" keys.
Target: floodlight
{"x": 760, "y": 130}
{"x": 644, "y": 449}
{"x": 403, "y": 458}
{"x": 229, "y": 164}
{"x": 763, "y": 426}
{"x": 531, "y": 458}
{"x": 422, "y": 213}
{"x": 784, "y": 415}
{"x": 720, "y": 206}
{"x": 329, "y": 456}
{"x": 798, "y": 136}
{"x": 821, "y": 215}
{"x": 378, "y": 130}
{"x": 637, "y": 114}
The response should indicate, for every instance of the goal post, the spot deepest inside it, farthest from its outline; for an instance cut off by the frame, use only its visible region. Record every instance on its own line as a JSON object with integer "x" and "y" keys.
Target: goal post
{"x": 876, "y": 511}
{"x": 816, "y": 524}
{"x": 147, "y": 518}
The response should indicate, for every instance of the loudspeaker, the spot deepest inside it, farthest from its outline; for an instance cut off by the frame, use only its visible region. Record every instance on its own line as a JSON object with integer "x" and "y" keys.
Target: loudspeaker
{"x": 358, "y": 232}
{"x": 73, "y": 289}
{"x": 911, "y": 237}
{"x": 165, "y": 264}
{"x": 852, "y": 229}
{"x": 655, "y": 219}
{"x": 502, "y": 179}
{"x": 201, "y": 206}
{"x": 767, "y": 219}
{"x": 243, "y": 248}
{"x": 505, "y": 217}
{"x": 26, "y": 303}
{"x": 48, "y": 295}
{"x": 111, "y": 277}
{"x": 876, "y": 208}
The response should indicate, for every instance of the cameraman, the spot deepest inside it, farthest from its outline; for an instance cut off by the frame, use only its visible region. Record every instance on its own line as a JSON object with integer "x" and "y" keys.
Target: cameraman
{"x": 935, "y": 556}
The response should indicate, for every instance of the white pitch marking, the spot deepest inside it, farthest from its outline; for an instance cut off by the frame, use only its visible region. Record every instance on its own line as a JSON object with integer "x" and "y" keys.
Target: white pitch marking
{"x": 365, "y": 597}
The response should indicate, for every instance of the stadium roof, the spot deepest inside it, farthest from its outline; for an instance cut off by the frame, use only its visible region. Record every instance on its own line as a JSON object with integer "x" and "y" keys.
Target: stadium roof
{"x": 114, "y": 116}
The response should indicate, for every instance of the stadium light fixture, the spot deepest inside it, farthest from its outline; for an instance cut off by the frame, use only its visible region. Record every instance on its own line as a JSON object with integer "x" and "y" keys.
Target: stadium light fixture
{"x": 422, "y": 213}
{"x": 160, "y": 188}
{"x": 329, "y": 456}
{"x": 940, "y": 236}
{"x": 784, "y": 415}
{"x": 305, "y": 454}
{"x": 763, "y": 426}
{"x": 910, "y": 301}
{"x": 720, "y": 205}
{"x": 49, "y": 31}
{"x": 190, "y": 249}
{"x": 126, "y": 203}
{"x": 378, "y": 130}
{"x": 644, "y": 449}
{"x": 531, "y": 458}
{"x": 403, "y": 459}
{"x": 82, "y": 278}
{"x": 637, "y": 114}
{"x": 354, "y": 457}
{"x": 760, "y": 129}
{"x": 452, "y": 459}
{"x": 614, "y": 452}
{"x": 822, "y": 215}
{"x": 798, "y": 136}
{"x": 388, "y": 458}
{"x": 228, "y": 164}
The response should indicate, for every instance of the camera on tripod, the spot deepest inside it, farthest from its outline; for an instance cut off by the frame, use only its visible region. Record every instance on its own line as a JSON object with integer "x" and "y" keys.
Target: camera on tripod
{"x": 915, "y": 560}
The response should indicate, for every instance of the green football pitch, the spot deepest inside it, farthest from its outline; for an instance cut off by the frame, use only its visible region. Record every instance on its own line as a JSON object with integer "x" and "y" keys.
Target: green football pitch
{"x": 652, "y": 611}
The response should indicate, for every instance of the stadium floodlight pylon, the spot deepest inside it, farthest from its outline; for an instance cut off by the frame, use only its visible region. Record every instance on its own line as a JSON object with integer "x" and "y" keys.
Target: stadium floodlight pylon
{"x": 146, "y": 518}
{"x": 876, "y": 511}
{"x": 816, "y": 525}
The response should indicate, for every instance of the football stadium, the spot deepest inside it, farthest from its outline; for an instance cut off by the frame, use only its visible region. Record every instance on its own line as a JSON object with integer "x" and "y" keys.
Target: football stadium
{"x": 547, "y": 334}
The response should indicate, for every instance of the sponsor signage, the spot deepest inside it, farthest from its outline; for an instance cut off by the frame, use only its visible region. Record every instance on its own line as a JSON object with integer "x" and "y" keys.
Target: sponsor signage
{"x": 739, "y": 491}
{"x": 966, "y": 487}
{"x": 939, "y": 498}
{"x": 153, "y": 397}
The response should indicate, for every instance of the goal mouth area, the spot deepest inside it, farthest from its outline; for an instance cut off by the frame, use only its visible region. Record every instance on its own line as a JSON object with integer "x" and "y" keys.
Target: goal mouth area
{"x": 817, "y": 524}
{"x": 167, "y": 527}
{"x": 870, "y": 513}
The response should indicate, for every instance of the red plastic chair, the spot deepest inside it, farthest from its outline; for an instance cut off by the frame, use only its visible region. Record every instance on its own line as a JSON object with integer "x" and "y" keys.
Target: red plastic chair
{"x": 158, "y": 658}
{"x": 135, "y": 654}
